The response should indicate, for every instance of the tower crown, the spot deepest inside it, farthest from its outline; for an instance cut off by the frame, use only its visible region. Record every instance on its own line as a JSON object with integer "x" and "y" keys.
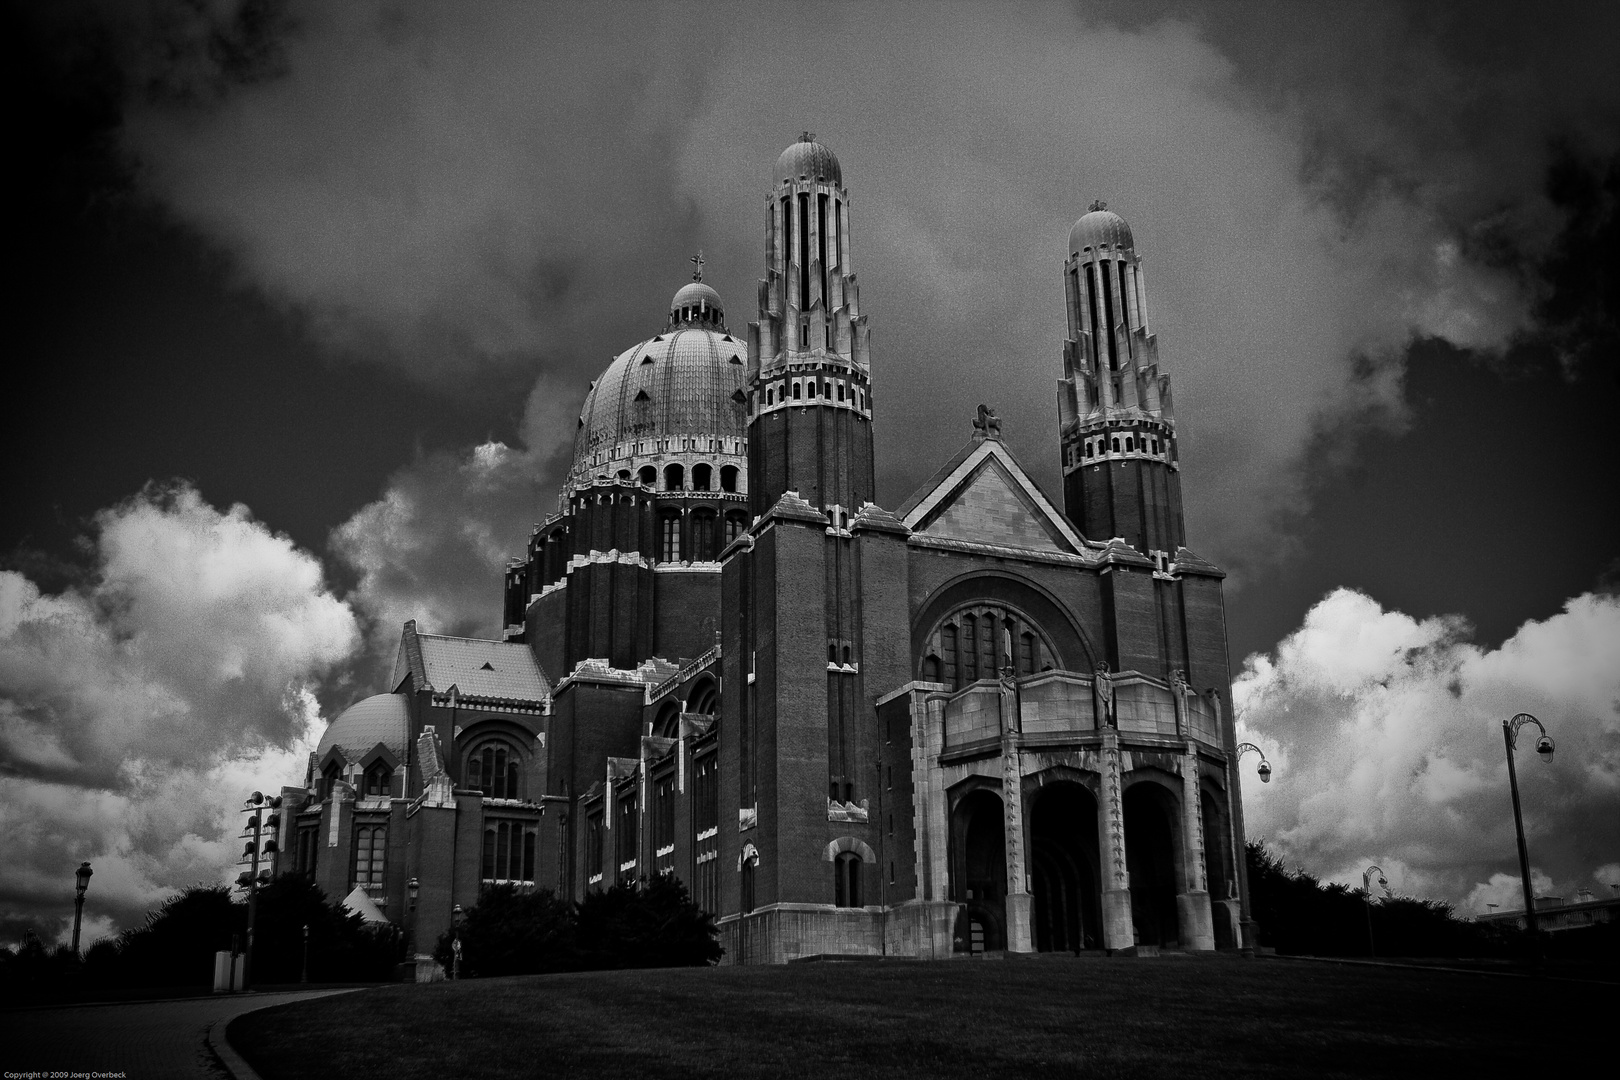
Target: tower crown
{"x": 808, "y": 160}
{"x": 1101, "y": 228}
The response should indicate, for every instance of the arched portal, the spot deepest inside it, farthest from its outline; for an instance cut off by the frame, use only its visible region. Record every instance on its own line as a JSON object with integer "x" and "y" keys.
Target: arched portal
{"x": 1151, "y": 859}
{"x": 1064, "y": 870}
{"x": 979, "y": 869}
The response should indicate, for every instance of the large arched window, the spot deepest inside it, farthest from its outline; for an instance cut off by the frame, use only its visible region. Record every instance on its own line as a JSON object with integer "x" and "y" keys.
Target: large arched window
{"x": 648, "y": 476}
{"x": 980, "y": 641}
{"x": 495, "y": 768}
{"x": 847, "y": 879}
{"x": 674, "y": 477}
{"x": 701, "y": 474}
{"x": 728, "y": 478}
{"x": 703, "y": 699}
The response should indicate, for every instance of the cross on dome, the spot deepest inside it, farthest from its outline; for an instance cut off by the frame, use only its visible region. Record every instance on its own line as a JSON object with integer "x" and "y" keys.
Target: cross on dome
{"x": 808, "y": 136}
{"x": 1097, "y": 204}
{"x": 697, "y": 266}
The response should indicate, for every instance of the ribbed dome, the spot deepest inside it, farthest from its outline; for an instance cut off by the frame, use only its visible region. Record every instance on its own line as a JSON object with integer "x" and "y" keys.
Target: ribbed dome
{"x": 685, "y": 382}
{"x": 809, "y": 159}
{"x": 383, "y": 718}
{"x": 1100, "y": 228}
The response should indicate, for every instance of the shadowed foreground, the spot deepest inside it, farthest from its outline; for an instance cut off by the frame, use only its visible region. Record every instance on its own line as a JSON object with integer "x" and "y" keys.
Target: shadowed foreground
{"x": 1211, "y": 1016}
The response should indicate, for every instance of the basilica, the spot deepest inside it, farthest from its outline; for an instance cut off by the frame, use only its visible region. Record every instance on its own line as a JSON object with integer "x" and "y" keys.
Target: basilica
{"x": 989, "y": 719}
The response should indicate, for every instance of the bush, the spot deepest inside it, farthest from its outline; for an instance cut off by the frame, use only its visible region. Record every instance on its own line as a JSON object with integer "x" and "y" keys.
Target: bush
{"x": 176, "y": 946}
{"x": 651, "y": 924}
{"x": 343, "y": 947}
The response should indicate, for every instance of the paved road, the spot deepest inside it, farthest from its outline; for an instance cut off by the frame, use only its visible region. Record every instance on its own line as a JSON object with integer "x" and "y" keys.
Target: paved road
{"x": 148, "y": 1040}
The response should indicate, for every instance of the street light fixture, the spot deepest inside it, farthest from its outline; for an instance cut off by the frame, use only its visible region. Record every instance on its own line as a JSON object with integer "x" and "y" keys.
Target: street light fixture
{"x": 1246, "y": 925}
{"x": 82, "y": 882}
{"x": 1366, "y": 899}
{"x": 1544, "y": 747}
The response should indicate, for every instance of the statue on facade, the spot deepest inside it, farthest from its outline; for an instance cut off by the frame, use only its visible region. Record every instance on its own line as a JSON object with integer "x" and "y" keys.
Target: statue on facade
{"x": 1102, "y": 695}
{"x": 1181, "y": 691}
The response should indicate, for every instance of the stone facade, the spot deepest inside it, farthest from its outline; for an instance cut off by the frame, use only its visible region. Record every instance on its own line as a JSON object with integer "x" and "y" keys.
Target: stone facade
{"x": 977, "y": 722}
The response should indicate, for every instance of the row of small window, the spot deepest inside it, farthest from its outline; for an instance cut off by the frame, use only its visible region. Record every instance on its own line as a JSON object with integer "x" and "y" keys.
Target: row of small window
{"x": 376, "y": 782}
{"x": 711, "y": 443}
{"x": 700, "y": 541}
{"x": 1129, "y": 444}
{"x": 702, "y": 313}
{"x": 807, "y": 389}
{"x": 675, "y": 477}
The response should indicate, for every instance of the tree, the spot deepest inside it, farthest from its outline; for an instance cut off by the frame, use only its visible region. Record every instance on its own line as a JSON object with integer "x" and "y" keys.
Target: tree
{"x": 176, "y": 946}
{"x": 650, "y": 924}
{"x": 514, "y": 933}
{"x": 343, "y": 947}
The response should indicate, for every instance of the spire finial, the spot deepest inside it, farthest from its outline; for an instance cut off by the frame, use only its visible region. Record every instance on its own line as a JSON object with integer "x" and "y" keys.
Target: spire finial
{"x": 1097, "y": 204}
{"x": 808, "y": 136}
{"x": 697, "y": 266}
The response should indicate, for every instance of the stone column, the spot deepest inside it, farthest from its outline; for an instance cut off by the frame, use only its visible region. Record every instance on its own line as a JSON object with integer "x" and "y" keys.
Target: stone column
{"x": 1119, "y": 930}
{"x": 1019, "y": 937}
{"x": 1192, "y": 905}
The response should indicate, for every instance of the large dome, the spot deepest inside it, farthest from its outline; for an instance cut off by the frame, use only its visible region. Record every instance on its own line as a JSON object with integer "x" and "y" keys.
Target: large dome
{"x": 382, "y": 718}
{"x": 1100, "y": 228}
{"x": 681, "y": 385}
{"x": 808, "y": 160}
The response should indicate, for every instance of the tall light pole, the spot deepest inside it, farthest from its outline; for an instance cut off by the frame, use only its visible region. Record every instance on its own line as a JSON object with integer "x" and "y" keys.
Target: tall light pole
{"x": 1366, "y": 899}
{"x": 253, "y": 832}
{"x": 1246, "y": 927}
{"x": 1544, "y": 747}
{"x": 82, "y": 882}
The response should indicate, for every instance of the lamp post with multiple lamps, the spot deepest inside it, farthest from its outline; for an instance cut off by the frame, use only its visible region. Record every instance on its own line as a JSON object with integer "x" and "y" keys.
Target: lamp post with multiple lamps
{"x": 413, "y": 889}
{"x": 1366, "y": 899}
{"x": 253, "y": 878}
{"x": 81, "y": 883}
{"x": 1246, "y": 924}
{"x": 1544, "y": 747}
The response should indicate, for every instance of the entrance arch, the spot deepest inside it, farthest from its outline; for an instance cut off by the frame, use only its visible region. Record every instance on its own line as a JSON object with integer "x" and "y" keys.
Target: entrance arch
{"x": 1064, "y": 868}
{"x": 1152, "y": 857}
{"x": 979, "y": 870}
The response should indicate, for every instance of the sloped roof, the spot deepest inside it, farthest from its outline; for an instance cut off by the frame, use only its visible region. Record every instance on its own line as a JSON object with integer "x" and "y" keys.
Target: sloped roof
{"x": 477, "y": 667}
{"x": 361, "y": 903}
{"x": 983, "y": 495}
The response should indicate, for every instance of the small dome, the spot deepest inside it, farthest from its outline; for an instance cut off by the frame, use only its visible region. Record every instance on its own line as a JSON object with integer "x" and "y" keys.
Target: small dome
{"x": 382, "y": 718}
{"x": 1100, "y": 228}
{"x": 695, "y": 293}
{"x": 810, "y": 160}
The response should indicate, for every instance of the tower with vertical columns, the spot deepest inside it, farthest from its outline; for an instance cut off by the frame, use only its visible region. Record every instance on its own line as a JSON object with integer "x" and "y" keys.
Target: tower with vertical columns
{"x": 1117, "y": 425}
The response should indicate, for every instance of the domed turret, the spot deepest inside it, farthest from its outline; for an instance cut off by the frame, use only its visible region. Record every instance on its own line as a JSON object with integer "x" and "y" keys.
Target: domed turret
{"x": 808, "y": 160}
{"x": 382, "y": 718}
{"x": 1101, "y": 228}
{"x": 695, "y": 304}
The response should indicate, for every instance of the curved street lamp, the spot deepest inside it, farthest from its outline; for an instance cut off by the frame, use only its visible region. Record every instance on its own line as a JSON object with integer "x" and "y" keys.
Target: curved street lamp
{"x": 1366, "y": 899}
{"x": 1246, "y": 927}
{"x": 82, "y": 882}
{"x": 1544, "y": 747}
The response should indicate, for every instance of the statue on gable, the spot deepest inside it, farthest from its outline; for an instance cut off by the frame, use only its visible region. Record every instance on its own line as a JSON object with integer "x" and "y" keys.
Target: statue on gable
{"x": 987, "y": 425}
{"x": 1102, "y": 695}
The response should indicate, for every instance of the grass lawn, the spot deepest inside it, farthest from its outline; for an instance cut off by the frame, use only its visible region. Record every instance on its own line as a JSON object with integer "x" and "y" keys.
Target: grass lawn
{"x": 1173, "y": 1015}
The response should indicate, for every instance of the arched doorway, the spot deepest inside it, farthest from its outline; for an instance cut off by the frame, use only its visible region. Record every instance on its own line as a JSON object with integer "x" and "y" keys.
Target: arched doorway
{"x": 979, "y": 871}
{"x": 1151, "y": 843}
{"x": 1063, "y": 868}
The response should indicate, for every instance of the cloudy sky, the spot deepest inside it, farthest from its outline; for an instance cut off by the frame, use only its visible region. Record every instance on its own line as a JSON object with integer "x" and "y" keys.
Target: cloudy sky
{"x": 310, "y": 296}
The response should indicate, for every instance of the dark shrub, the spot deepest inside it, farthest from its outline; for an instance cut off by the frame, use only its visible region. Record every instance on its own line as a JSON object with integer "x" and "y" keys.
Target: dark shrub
{"x": 514, "y": 933}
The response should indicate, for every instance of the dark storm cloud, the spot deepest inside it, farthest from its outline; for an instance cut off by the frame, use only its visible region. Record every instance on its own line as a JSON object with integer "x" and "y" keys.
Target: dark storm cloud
{"x": 443, "y": 188}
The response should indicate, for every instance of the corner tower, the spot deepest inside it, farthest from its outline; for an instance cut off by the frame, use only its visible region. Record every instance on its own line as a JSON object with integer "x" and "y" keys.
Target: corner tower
{"x": 1121, "y": 475}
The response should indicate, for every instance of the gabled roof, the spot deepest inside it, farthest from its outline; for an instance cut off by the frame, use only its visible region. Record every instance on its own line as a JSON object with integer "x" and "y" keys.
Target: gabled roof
{"x": 478, "y": 668}
{"x": 982, "y": 495}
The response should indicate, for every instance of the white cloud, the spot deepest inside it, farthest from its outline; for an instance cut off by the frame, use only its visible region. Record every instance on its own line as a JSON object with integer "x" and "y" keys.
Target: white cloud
{"x": 1386, "y": 736}
{"x": 138, "y": 708}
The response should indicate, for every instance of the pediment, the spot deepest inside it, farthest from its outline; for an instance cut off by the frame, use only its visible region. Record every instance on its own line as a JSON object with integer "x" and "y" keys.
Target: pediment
{"x": 985, "y": 497}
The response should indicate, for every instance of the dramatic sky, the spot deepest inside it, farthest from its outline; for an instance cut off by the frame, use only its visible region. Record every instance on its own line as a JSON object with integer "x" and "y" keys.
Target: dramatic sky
{"x": 309, "y": 296}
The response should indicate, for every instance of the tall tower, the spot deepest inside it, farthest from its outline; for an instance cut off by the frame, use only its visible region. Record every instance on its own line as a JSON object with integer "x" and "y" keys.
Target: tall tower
{"x": 799, "y": 743}
{"x": 1117, "y": 427}
{"x": 809, "y": 375}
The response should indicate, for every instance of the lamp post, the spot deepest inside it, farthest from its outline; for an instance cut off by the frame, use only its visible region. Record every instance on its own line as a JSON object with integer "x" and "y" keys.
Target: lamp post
{"x": 413, "y": 888}
{"x": 1246, "y": 946}
{"x": 252, "y": 878}
{"x": 82, "y": 882}
{"x": 456, "y": 915}
{"x": 1366, "y": 899}
{"x": 305, "y": 976}
{"x": 1544, "y": 747}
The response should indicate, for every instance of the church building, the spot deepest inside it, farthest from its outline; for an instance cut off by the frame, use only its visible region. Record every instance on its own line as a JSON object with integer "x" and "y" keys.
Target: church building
{"x": 985, "y": 719}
